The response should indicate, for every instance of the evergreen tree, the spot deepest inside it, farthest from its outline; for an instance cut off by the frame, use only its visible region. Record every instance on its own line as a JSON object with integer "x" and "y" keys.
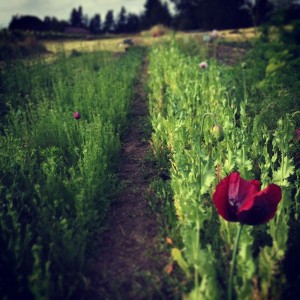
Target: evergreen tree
{"x": 52, "y": 24}
{"x": 109, "y": 22}
{"x": 121, "y": 21}
{"x": 196, "y": 14}
{"x": 224, "y": 14}
{"x": 155, "y": 13}
{"x": 85, "y": 21}
{"x": 76, "y": 19}
{"x": 95, "y": 24}
{"x": 258, "y": 10}
{"x": 133, "y": 23}
{"x": 188, "y": 14}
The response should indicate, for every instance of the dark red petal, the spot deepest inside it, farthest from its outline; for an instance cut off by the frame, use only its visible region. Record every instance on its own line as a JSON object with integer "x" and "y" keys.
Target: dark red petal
{"x": 261, "y": 207}
{"x": 256, "y": 183}
{"x": 240, "y": 189}
{"x": 220, "y": 199}
{"x": 230, "y": 194}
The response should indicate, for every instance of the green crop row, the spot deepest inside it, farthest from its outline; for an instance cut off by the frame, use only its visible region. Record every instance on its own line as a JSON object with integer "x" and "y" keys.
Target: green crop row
{"x": 256, "y": 113}
{"x": 57, "y": 171}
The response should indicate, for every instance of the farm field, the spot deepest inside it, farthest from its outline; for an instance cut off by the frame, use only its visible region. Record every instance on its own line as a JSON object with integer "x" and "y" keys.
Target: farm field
{"x": 164, "y": 170}
{"x": 117, "y": 45}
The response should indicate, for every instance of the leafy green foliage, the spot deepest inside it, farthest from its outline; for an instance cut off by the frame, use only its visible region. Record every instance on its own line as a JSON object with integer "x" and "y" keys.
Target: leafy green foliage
{"x": 57, "y": 172}
{"x": 255, "y": 106}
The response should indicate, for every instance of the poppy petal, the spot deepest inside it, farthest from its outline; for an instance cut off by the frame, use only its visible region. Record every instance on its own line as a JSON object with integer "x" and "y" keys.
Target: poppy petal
{"x": 240, "y": 189}
{"x": 230, "y": 194}
{"x": 220, "y": 200}
{"x": 261, "y": 207}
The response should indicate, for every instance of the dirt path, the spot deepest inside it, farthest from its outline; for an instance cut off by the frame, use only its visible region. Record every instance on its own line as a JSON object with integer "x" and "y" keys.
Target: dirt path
{"x": 131, "y": 260}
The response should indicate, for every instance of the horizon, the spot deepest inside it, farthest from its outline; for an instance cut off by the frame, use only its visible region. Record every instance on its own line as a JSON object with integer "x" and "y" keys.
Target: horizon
{"x": 61, "y": 9}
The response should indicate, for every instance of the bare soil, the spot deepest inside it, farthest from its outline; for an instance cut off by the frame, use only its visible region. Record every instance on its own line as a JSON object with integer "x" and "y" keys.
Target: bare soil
{"x": 132, "y": 258}
{"x": 131, "y": 261}
{"x": 228, "y": 55}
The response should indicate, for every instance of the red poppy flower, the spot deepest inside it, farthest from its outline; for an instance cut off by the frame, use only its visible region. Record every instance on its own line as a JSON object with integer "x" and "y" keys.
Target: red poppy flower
{"x": 239, "y": 200}
{"x": 76, "y": 115}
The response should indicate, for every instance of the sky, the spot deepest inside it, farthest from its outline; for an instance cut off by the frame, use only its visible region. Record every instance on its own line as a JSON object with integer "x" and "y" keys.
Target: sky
{"x": 61, "y": 9}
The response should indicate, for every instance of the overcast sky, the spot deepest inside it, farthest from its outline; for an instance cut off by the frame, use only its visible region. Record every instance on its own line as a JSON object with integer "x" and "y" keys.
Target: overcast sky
{"x": 61, "y": 9}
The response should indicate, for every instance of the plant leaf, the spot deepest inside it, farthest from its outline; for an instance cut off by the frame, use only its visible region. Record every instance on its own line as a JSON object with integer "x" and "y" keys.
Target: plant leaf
{"x": 286, "y": 169}
{"x": 177, "y": 256}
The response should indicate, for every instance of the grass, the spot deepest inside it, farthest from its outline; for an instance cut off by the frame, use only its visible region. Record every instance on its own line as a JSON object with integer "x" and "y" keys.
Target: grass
{"x": 59, "y": 176}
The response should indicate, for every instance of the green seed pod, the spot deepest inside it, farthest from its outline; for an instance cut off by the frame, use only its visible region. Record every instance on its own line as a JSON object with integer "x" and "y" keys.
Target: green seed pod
{"x": 218, "y": 132}
{"x": 244, "y": 65}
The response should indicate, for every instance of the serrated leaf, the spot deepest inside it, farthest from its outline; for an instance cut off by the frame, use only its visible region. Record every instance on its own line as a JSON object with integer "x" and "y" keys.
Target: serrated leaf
{"x": 229, "y": 163}
{"x": 286, "y": 169}
{"x": 207, "y": 178}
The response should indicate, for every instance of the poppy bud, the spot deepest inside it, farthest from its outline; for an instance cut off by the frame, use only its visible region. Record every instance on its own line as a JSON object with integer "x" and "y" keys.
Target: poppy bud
{"x": 206, "y": 38}
{"x": 215, "y": 34}
{"x": 244, "y": 65}
{"x": 76, "y": 115}
{"x": 297, "y": 134}
{"x": 218, "y": 132}
{"x": 203, "y": 65}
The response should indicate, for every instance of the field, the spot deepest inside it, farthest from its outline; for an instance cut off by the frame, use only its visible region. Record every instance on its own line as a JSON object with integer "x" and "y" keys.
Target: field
{"x": 76, "y": 141}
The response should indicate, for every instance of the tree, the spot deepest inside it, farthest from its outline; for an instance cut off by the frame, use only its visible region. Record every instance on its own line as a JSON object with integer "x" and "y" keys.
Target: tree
{"x": 282, "y": 4}
{"x": 26, "y": 23}
{"x": 109, "y": 22}
{"x": 155, "y": 13}
{"x": 95, "y": 24}
{"x": 284, "y": 11}
{"x": 85, "y": 21}
{"x": 121, "y": 21}
{"x": 188, "y": 15}
{"x": 196, "y": 14}
{"x": 224, "y": 14}
{"x": 76, "y": 19}
{"x": 133, "y": 23}
{"x": 52, "y": 24}
{"x": 258, "y": 10}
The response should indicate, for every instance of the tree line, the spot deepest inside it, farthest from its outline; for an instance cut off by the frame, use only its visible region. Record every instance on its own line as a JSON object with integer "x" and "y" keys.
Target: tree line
{"x": 189, "y": 15}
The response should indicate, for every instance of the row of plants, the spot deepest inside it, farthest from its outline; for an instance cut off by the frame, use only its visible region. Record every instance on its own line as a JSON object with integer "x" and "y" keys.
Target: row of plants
{"x": 19, "y": 35}
{"x": 59, "y": 139}
{"x": 230, "y": 140}
{"x": 25, "y": 49}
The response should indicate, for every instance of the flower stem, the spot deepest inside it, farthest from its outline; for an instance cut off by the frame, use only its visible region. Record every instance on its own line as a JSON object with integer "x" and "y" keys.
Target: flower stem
{"x": 196, "y": 254}
{"x": 295, "y": 113}
{"x": 203, "y": 119}
{"x": 233, "y": 262}
{"x": 244, "y": 86}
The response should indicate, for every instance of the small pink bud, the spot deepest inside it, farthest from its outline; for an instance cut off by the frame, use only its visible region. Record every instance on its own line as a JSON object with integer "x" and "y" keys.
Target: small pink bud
{"x": 76, "y": 115}
{"x": 214, "y": 34}
{"x": 203, "y": 65}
